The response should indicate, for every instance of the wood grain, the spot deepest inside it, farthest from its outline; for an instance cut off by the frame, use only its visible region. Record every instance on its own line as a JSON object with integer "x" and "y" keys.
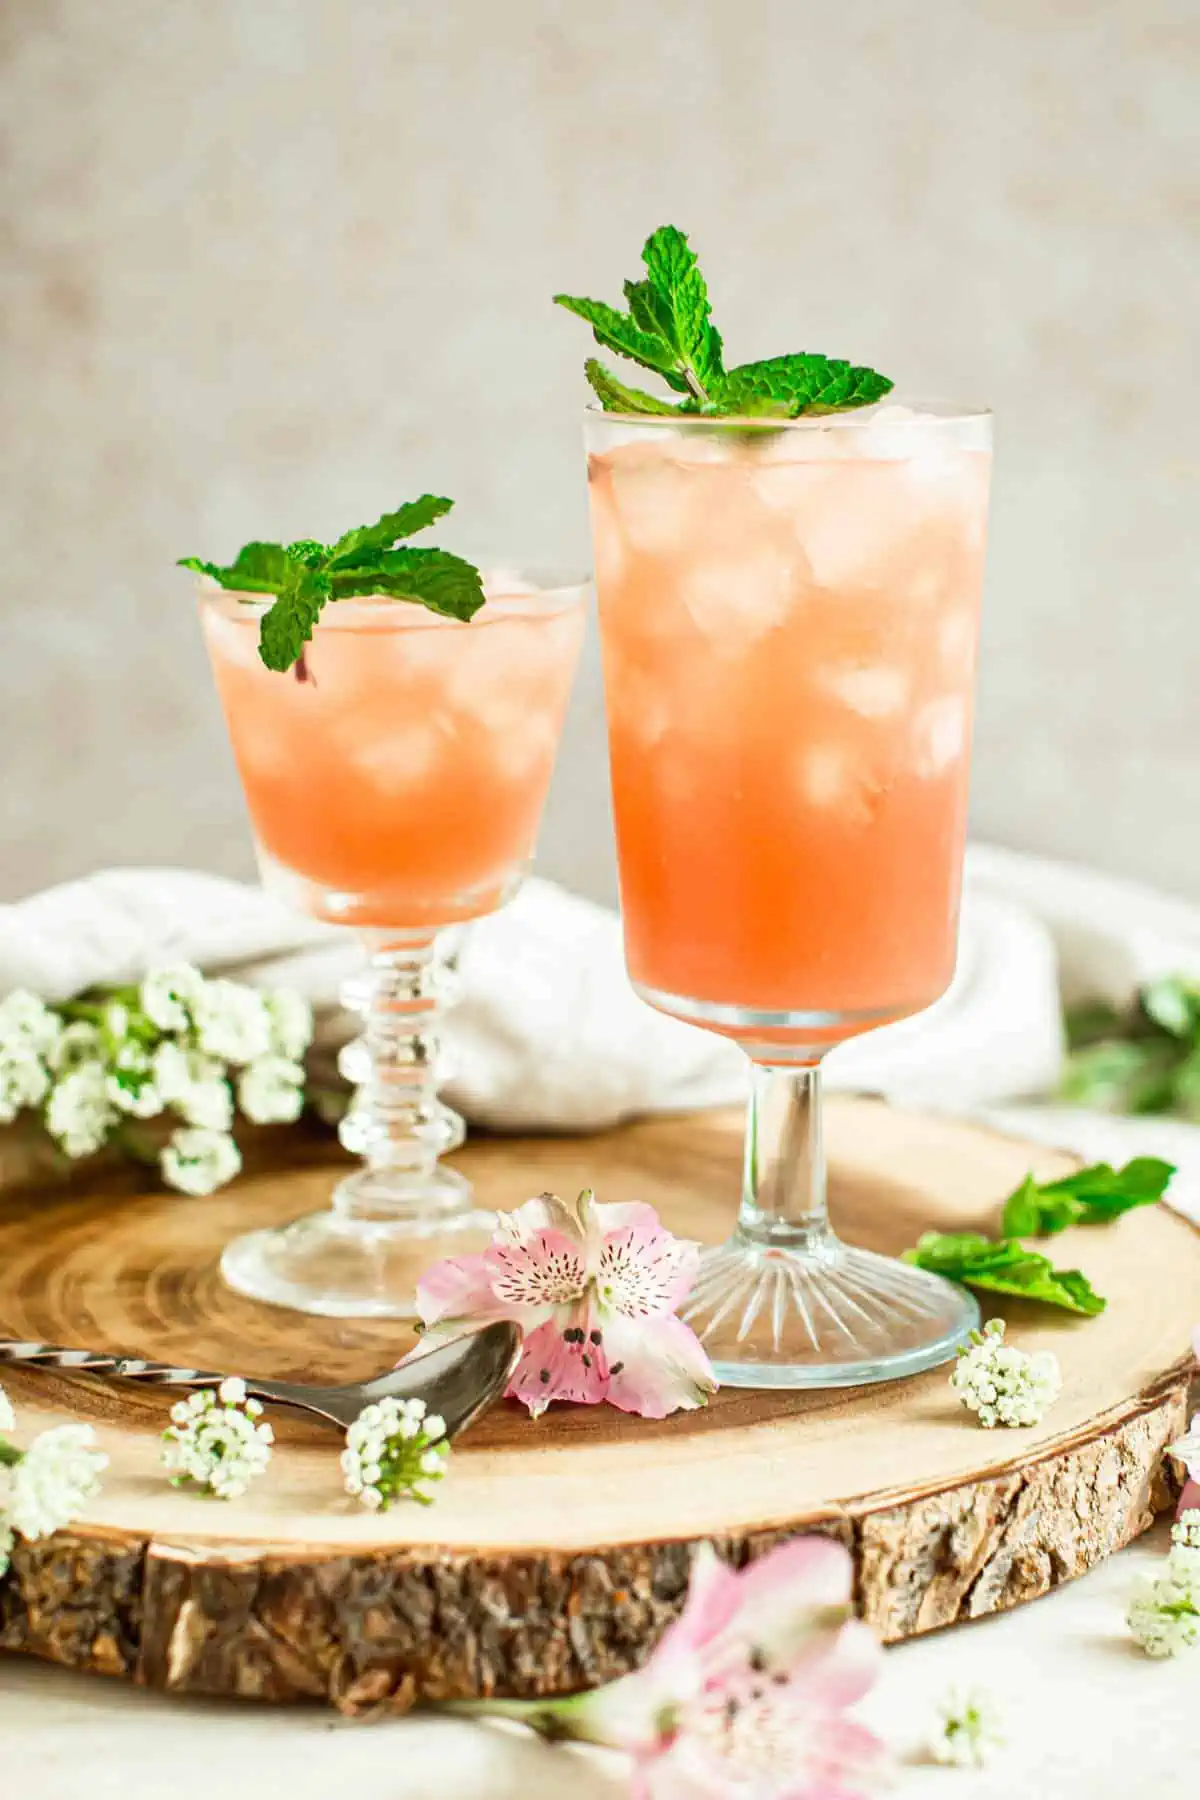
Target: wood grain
{"x": 559, "y": 1550}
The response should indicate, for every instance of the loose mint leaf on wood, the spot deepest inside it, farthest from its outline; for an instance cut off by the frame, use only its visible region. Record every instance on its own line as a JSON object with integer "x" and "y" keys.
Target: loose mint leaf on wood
{"x": 614, "y": 396}
{"x": 256, "y": 569}
{"x": 354, "y": 546}
{"x": 801, "y": 384}
{"x": 1088, "y": 1196}
{"x": 445, "y": 583}
{"x": 1002, "y": 1266}
{"x": 288, "y": 625}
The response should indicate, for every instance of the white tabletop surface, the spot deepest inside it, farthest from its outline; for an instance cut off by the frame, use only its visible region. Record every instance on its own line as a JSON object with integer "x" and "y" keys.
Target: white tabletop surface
{"x": 1087, "y": 1715}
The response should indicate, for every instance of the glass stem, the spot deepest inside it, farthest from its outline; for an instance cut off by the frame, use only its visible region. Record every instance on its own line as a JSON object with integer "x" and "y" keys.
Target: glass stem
{"x": 783, "y": 1178}
{"x": 396, "y": 1122}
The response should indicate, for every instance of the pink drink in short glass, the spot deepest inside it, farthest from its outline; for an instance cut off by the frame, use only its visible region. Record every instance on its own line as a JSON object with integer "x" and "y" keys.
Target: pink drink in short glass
{"x": 395, "y": 780}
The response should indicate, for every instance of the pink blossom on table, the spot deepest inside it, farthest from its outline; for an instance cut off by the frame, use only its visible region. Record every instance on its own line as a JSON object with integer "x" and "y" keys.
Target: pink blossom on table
{"x": 594, "y": 1290}
{"x": 747, "y": 1695}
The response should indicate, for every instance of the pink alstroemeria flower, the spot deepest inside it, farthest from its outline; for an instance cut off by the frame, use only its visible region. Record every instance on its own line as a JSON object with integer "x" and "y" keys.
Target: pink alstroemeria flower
{"x": 595, "y": 1293}
{"x": 746, "y": 1697}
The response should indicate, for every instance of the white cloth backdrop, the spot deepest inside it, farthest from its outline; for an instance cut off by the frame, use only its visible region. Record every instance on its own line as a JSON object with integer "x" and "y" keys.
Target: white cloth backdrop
{"x": 550, "y": 1034}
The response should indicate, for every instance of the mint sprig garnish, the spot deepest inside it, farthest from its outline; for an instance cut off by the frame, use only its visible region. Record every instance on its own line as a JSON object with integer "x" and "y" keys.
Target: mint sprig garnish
{"x": 304, "y": 576}
{"x": 669, "y": 330}
{"x": 1003, "y": 1265}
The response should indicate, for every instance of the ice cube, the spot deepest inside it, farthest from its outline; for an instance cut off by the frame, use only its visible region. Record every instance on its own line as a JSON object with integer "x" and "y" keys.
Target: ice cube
{"x": 739, "y": 596}
{"x": 657, "y": 497}
{"x": 524, "y": 747}
{"x": 404, "y": 756}
{"x": 873, "y": 690}
{"x": 939, "y": 735}
{"x": 833, "y": 778}
{"x": 956, "y": 645}
{"x": 233, "y": 637}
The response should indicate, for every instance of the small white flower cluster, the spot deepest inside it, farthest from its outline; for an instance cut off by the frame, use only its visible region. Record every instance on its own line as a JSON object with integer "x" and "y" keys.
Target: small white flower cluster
{"x": 179, "y": 1044}
{"x": 1164, "y": 1611}
{"x": 217, "y": 1441}
{"x": 969, "y": 1730}
{"x": 1005, "y": 1386}
{"x": 395, "y": 1450}
{"x": 45, "y": 1487}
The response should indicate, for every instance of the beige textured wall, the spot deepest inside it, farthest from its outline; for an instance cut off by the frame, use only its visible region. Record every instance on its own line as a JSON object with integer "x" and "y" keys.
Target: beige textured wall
{"x": 268, "y": 266}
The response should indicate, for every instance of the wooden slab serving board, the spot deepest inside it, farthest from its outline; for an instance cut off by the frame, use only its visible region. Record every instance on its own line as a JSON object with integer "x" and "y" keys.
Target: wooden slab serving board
{"x": 559, "y": 1550}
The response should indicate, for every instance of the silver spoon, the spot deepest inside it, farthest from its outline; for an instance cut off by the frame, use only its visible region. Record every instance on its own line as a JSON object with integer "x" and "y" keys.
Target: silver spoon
{"x": 459, "y": 1380}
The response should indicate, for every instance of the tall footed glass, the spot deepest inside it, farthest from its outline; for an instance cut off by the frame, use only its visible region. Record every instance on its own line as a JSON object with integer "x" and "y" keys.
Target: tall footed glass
{"x": 789, "y": 617}
{"x": 395, "y": 780}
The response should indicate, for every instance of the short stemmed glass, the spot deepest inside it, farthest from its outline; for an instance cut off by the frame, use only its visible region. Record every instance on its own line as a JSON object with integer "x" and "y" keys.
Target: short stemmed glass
{"x": 789, "y": 617}
{"x": 395, "y": 780}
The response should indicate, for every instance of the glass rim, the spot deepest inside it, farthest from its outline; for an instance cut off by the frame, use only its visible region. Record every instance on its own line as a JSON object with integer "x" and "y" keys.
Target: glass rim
{"x": 553, "y": 592}
{"x": 919, "y": 413}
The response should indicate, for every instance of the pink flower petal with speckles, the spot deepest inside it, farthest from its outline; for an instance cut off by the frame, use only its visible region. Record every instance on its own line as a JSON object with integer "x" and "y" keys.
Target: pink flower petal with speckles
{"x": 546, "y": 1269}
{"x": 1189, "y": 1500}
{"x": 644, "y": 1271}
{"x": 555, "y": 1366}
{"x": 456, "y": 1286}
{"x": 656, "y": 1366}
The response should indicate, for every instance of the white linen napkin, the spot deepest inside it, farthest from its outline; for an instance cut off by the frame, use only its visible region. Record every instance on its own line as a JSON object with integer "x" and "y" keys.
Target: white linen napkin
{"x": 549, "y": 1034}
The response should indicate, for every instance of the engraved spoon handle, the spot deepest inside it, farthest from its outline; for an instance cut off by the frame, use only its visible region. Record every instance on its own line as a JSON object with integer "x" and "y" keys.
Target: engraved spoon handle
{"x": 100, "y": 1362}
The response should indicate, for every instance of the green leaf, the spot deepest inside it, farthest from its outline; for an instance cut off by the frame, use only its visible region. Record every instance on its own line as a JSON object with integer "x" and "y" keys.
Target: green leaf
{"x": 1090, "y": 1021}
{"x": 257, "y": 569}
{"x": 1120, "y": 1076}
{"x": 614, "y": 396}
{"x": 437, "y": 579}
{"x": 669, "y": 328}
{"x": 288, "y": 625}
{"x": 1002, "y": 1266}
{"x": 1085, "y": 1197}
{"x": 362, "y": 543}
{"x": 801, "y": 384}
{"x": 615, "y": 330}
{"x": 1174, "y": 1005}
{"x": 677, "y": 297}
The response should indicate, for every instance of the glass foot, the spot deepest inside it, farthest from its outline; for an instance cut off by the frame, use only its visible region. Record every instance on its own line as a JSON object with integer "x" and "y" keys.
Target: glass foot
{"x": 345, "y": 1264}
{"x": 823, "y": 1315}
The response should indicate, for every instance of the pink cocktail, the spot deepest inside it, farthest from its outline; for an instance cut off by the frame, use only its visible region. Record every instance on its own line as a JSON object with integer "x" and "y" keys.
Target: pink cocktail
{"x": 395, "y": 780}
{"x": 789, "y": 616}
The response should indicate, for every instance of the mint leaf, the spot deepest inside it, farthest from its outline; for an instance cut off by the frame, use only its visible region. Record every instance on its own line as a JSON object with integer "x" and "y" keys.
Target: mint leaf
{"x": 1174, "y": 1005}
{"x": 443, "y": 582}
{"x": 614, "y": 396}
{"x": 257, "y": 569}
{"x": 793, "y": 385}
{"x": 669, "y": 328}
{"x": 676, "y": 294}
{"x": 1004, "y": 1267}
{"x": 306, "y": 574}
{"x": 288, "y": 625}
{"x": 1086, "y": 1197}
{"x": 360, "y": 543}
{"x": 614, "y": 330}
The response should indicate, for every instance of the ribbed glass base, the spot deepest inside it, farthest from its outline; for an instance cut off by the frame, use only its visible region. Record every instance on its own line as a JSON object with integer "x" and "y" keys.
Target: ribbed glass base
{"x": 346, "y": 1264}
{"x": 822, "y": 1314}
